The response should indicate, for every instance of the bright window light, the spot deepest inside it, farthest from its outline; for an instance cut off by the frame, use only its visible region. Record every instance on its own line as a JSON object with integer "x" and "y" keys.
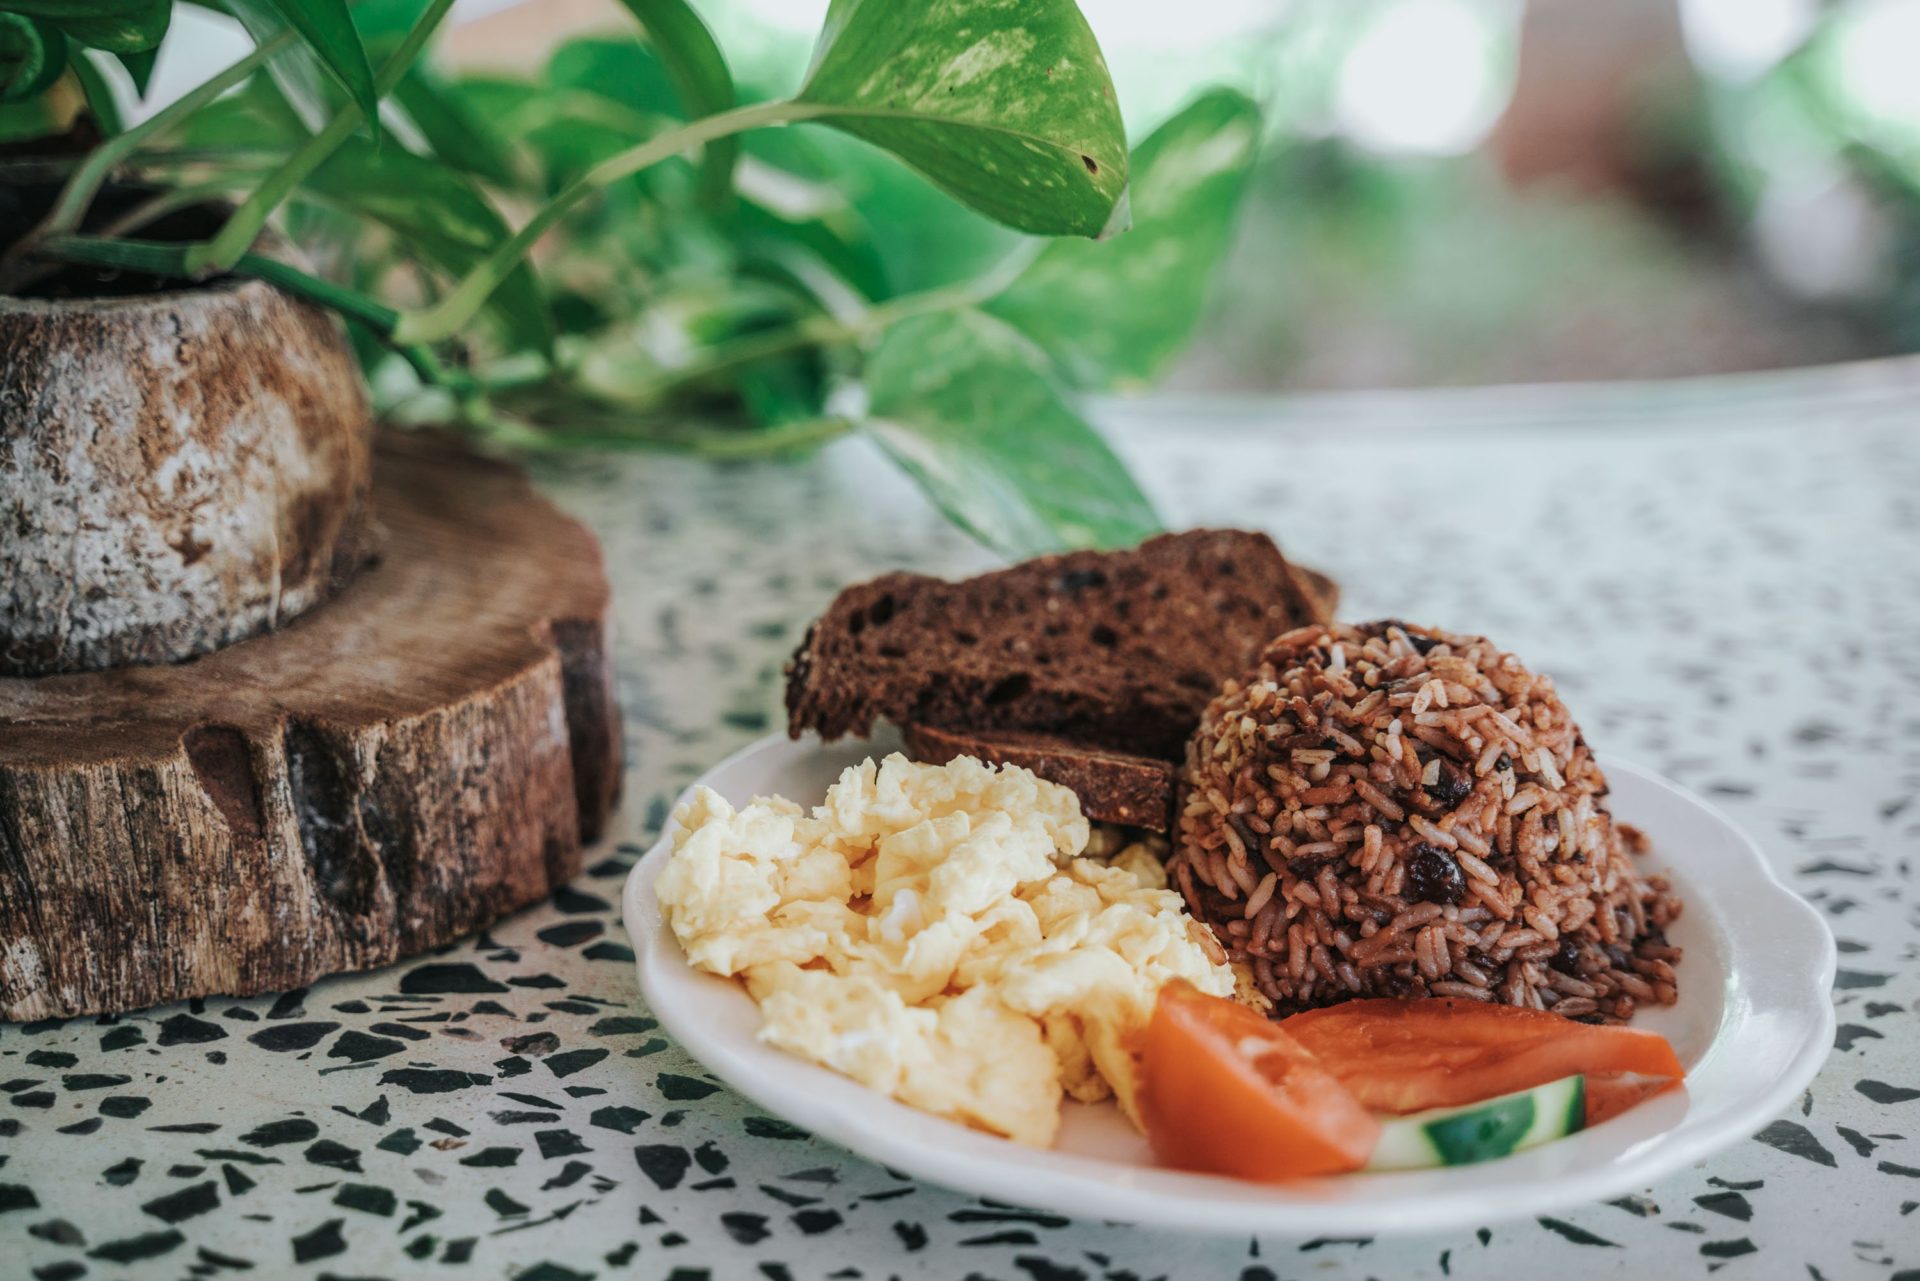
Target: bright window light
{"x": 1739, "y": 39}
{"x": 1119, "y": 24}
{"x": 1874, "y": 62}
{"x": 799, "y": 16}
{"x": 1146, "y": 24}
{"x": 1821, "y": 236}
{"x": 1422, "y": 78}
{"x": 199, "y": 44}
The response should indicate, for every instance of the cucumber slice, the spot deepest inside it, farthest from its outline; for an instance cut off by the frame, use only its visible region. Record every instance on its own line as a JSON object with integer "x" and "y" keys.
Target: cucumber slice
{"x": 1482, "y": 1131}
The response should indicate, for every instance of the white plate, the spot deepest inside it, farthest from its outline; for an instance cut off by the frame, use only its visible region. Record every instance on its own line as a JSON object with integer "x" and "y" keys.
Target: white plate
{"x": 1753, "y": 1025}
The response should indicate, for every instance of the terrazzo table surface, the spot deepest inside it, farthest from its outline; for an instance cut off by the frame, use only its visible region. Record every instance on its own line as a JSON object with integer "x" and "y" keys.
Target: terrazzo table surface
{"x": 1725, "y": 579}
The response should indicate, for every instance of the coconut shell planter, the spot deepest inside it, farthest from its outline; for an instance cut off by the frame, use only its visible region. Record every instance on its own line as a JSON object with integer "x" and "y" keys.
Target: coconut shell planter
{"x": 279, "y": 696}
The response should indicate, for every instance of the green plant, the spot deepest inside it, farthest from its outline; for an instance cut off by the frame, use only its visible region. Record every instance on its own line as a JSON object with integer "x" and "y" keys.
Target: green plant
{"x": 706, "y": 280}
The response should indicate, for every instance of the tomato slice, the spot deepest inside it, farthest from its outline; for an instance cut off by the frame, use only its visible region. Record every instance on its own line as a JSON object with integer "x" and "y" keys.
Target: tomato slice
{"x": 1407, "y": 1056}
{"x": 1609, "y": 1096}
{"x": 1226, "y": 1091}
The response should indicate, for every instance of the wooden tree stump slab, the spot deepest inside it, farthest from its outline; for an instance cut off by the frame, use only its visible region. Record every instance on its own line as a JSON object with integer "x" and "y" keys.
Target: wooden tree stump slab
{"x": 402, "y": 765}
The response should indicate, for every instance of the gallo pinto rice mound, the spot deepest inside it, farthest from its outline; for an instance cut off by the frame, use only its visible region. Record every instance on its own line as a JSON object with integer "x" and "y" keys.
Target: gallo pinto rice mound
{"x": 1388, "y": 810}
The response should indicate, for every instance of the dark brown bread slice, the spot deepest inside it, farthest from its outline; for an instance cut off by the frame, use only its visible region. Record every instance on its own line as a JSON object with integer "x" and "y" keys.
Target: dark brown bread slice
{"x": 1113, "y": 786}
{"x": 1114, "y": 650}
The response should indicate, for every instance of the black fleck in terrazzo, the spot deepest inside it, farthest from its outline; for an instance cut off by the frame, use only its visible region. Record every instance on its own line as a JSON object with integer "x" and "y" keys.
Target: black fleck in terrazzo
{"x": 1727, "y": 589}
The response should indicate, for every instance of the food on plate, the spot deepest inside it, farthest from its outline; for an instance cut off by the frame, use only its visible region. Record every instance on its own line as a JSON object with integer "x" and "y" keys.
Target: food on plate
{"x": 1408, "y": 1056}
{"x": 1384, "y": 1084}
{"x": 959, "y": 937}
{"x": 1099, "y": 662}
{"x": 1414, "y": 930}
{"x": 1226, "y": 1091}
{"x": 1113, "y": 786}
{"x": 1390, "y": 810}
{"x": 1475, "y": 1132}
{"x": 932, "y": 931}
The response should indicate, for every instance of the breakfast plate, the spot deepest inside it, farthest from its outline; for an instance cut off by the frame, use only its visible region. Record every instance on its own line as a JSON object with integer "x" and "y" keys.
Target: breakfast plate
{"x": 1752, "y": 1024}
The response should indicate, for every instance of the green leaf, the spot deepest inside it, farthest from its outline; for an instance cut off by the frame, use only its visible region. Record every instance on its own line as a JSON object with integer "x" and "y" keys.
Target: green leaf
{"x": 624, "y": 362}
{"x": 328, "y": 30}
{"x": 790, "y": 389}
{"x": 965, "y": 405}
{"x": 496, "y": 99}
{"x": 140, "y": 66}
{"x": 24, "y": 120}
{"x": 435, "y": 213}
{"x": 700, "y": 79}
{"x": 382, "y": 23}
{"x": 1007, "y": 106}
{"x": 32, "y": 56}
{"x": 454, "y": 131}
{"x": 781, "y": 215}
{"x": 619, "y": 69}
{"x": 297, "y": 72}
{"x": 439, "y": 217}
{"x": 99, "y": 93}
{"x": 791, "y": 201}
{"x": 458, "y": 135}
{"x": 252, "y": 119}
{"x": 1114, "y": 313}
{"x": 920, "y": 237}
{"x": 118, "y": 26}
{"x": 604, "y": 95}
{"x": 926, "y": 239}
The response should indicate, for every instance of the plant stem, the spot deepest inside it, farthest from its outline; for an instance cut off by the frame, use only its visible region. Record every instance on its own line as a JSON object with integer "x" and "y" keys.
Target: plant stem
{"x": 160, "y": 258}
{"x": 184, "y": 157}
{"x": 764, "y": 443}
{"x": 719, "y": 445}
{"x": 77, "y": 196}
{"x": 571, "y": 106}
{"x": 432, "y": 372}
{"x": 515, "y": 372}
{"x": 237, "y": 235}
{"x": 463, "y": 302}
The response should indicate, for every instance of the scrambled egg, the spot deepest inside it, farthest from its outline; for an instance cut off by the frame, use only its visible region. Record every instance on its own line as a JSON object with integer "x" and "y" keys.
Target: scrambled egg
{"x": 932, "y": 931}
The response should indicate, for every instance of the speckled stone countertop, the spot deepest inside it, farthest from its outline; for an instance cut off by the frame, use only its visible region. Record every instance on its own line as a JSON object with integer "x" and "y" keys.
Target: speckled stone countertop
{"x": 1725, "y": 578}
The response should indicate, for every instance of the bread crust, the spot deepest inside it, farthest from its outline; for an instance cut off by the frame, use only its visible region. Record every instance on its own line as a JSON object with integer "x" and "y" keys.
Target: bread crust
{"x": 1113, "y": 786}
{"x": 1115, "y": 649}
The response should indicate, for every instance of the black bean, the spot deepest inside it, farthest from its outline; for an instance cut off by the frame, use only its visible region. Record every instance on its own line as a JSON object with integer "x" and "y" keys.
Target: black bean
{"x": 1451, "y": 787}
{"x": 1252, "y": 839}
{"x": 1433, "y": 876}
{"x": 1567, "y": 958}
{"x": 1421, "y": 644}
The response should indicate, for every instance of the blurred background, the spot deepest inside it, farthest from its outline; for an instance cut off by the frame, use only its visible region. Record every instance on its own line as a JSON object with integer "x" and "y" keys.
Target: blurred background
{"x": 1461, "y": 191}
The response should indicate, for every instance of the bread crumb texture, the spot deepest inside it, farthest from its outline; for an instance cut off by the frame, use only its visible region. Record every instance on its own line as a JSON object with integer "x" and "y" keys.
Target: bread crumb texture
{"x": 938, "y": 933}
